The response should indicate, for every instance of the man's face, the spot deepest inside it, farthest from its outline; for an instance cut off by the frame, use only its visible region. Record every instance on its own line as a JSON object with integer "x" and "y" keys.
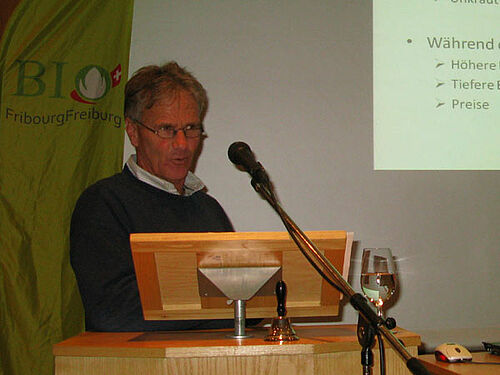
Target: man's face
{"x": 170, "y": 158}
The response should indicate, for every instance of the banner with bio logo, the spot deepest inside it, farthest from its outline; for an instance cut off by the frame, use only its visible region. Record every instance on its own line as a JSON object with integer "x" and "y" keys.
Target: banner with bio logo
{"x": 63, "y": 67}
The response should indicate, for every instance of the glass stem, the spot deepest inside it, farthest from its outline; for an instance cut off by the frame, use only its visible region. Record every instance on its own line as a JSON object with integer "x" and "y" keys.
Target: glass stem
{"x": 379, "y": 312}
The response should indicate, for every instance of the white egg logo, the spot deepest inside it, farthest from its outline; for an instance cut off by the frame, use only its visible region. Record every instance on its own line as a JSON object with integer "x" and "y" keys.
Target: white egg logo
{"x": 92, "y": 82}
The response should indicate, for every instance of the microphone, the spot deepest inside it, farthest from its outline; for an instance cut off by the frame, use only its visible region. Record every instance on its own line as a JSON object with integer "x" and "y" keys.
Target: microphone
{"x": 240, "y": 154}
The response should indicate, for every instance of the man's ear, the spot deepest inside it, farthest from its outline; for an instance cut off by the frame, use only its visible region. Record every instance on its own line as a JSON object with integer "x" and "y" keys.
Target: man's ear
{"x": 132, "y": 131}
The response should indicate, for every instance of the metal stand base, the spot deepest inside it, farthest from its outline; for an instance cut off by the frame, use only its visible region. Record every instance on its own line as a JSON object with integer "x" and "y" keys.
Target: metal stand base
{"x": 239, "y": 284}
{"x": 239, "y": 320}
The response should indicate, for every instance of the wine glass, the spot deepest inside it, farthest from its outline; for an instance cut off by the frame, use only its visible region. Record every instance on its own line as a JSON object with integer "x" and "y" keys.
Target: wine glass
{"x": 378, "y": 276}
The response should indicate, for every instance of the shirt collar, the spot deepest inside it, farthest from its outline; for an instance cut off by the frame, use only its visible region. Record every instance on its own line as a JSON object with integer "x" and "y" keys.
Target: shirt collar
{"x": 192, "y": 184}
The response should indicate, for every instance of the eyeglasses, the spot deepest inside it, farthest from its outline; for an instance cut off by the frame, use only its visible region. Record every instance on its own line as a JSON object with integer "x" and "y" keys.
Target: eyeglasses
{"x": 167, "y": 131}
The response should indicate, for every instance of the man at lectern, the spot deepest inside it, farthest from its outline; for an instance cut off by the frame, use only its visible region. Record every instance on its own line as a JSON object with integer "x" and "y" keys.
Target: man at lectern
{"x": 156, "y": 192}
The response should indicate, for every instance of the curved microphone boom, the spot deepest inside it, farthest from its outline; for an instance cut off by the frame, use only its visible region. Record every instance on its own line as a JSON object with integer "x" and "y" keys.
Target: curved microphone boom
{"x": 240, "y": 154}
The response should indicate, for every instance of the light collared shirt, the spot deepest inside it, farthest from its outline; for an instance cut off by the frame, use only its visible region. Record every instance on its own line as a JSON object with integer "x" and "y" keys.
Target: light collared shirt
{"x": 192, "y": 184}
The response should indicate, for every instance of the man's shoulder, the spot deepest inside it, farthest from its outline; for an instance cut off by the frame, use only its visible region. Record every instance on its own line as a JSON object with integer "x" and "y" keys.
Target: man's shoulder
{"x": 204, "y": 199}
{"x": 107, "y": 183}
{"x": 202, "y": 195}
{"x": 112, "y": 187}
{"x": 116, "y": 179}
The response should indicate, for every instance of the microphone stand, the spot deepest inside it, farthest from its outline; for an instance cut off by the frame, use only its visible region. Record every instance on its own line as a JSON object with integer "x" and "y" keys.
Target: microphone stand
{"x": 369, "y": 323}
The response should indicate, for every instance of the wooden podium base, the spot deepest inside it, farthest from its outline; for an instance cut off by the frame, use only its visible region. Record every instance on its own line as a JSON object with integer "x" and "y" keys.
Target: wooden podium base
{"x": 322, "y": 349}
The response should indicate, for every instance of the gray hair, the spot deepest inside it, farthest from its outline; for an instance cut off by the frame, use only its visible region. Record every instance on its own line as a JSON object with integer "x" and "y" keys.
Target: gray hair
{"x": 152, "y": 83}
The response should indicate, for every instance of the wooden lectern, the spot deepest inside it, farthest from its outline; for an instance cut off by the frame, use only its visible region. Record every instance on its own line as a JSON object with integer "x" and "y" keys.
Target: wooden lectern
{"x": 171, "y": 268}
{"x": 171, "y": 287}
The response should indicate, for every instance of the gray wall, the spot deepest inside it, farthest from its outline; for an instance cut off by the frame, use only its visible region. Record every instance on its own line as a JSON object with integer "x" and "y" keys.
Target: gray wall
{"x": 294, "y": 80}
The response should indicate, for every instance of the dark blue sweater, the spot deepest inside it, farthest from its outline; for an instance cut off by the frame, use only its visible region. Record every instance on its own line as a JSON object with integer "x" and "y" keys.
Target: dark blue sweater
{"x": 104, "y": 217}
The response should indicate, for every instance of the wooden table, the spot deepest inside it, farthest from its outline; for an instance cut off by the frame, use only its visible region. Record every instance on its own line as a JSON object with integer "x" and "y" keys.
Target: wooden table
{"x": 323, "y": 349}
{"x": 443, "y": 368}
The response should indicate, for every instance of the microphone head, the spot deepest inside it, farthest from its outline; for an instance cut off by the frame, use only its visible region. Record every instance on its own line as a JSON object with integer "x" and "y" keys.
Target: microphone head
{"x": 240, "y": 154}
{"x": 237, "y": 152}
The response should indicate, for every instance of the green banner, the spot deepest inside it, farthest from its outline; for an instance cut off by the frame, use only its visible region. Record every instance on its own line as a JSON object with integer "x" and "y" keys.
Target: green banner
{"x": 63, "y": 67}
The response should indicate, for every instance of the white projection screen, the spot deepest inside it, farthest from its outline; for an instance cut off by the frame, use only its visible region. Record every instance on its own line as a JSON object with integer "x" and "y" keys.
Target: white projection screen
{"x": 295, "y": 80}
{"x": 436, "y": 85}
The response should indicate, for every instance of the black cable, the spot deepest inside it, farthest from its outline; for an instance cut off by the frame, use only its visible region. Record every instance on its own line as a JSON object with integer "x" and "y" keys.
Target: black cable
{"x": 381, "y": 350}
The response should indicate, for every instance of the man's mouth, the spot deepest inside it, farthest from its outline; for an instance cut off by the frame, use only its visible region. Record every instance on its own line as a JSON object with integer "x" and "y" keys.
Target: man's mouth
{"x": 180, "y": 160}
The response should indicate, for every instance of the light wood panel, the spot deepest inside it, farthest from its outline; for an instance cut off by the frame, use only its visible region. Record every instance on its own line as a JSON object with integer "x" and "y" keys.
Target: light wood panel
{"x": 331, "y": 350}
{"x": 167, "y": 263}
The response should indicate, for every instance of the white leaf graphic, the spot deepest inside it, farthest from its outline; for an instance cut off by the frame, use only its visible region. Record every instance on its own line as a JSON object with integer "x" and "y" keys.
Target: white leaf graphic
{"x": 94, "y": 86}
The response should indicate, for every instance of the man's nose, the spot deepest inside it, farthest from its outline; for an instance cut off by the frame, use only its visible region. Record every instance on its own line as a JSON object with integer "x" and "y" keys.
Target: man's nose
{"x": 180, "y": 140}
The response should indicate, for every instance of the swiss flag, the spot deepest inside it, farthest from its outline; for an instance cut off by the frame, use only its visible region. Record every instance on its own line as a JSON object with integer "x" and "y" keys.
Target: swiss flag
{"x": 116, "y": 75}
